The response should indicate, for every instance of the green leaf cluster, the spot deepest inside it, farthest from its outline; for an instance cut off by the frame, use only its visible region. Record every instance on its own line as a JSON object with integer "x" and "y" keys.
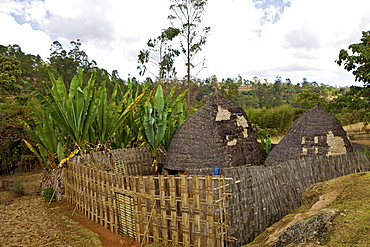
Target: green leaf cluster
{"x": 162, "y": 116}
{"x": 358, "y": 59}
{"x": 75, "y": 118}
{"x": 353, "y": 106}
{"x": 273, "y": 120}
{"x": 9, "y": 74}
{"x": 87, "y": 114}
{"x": 14, "y": 154}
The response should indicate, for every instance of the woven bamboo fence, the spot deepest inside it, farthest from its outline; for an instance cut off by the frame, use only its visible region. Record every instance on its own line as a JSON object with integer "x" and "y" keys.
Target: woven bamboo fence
{"x": 185, "y": 210}
{"x": 128, "y": 161}
{"x": 194, "y": 210}
{"x": 262, "y": 195}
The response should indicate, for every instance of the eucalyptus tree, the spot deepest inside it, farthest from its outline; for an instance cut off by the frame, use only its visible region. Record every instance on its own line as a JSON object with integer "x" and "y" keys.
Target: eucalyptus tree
{"x": 188, "y": 17}
{"x": 160, "y": 54}
{"x": 66, "y": 63}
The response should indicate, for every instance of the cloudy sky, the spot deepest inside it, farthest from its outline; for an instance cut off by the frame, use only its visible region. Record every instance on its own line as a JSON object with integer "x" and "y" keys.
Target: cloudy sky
{"x": 291, "y": 38}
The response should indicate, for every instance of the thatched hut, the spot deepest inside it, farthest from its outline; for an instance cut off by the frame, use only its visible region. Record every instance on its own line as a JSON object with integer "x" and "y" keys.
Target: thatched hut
{"x": 316, "y": 132}
{"x": 217, "y": 135}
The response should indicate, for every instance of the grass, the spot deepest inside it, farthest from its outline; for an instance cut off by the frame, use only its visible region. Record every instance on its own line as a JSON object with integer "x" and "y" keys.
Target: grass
{"x": 352, "y": 226}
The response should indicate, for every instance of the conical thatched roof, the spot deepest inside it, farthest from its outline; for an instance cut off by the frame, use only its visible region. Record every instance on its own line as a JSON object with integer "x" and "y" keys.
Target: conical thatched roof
{"x": 217, "y": 135}
{"x": 316, "y": 132}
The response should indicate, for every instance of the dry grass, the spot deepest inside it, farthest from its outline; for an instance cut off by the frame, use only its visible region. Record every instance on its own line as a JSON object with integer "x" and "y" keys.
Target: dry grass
{"x": 354, "y": 127}
{"x": 352, "y": 226}
{"x": 29, "y": 221}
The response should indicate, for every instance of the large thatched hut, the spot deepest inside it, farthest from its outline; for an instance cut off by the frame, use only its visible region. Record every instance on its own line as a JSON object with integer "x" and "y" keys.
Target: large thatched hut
{"x": 217, "y": 135}
{"x": 316, "y": 132}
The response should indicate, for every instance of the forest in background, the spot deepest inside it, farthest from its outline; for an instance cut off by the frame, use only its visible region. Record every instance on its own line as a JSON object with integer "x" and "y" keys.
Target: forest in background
{"x": 271, "y": 106}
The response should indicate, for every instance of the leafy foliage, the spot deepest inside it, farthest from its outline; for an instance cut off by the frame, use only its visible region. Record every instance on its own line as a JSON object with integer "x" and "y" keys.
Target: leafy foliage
{"x": 32, "y": 67}
{"x": 229, "y": 89}
{"x": 80, "y": 117}
{"x": 308, "y": 100}
{"x": 66, "y": 63}
{"x": 266, "y": 145}
{"x": 14, "y": 154}
{"x": 358, "y": 61}
{"x": 48, "y": 194}
{"x": 9, "y": 75}
{"x": 161, "y": 117}
{"x": 187, "y": 17}
{"x": 353, "y": 106}
{"x": 161, "y": 54}
{"x": 273, "y": 120}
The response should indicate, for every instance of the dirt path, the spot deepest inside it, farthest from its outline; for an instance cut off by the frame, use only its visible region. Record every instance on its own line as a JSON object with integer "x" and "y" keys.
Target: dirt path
{"x": 29, "y": 221}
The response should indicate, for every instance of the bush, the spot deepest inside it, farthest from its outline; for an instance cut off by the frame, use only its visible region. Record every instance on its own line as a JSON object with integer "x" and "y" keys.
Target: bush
{"x": 14, "y": 154}
{"x": 48, "y": 194}
{"x": 274, "y": 120}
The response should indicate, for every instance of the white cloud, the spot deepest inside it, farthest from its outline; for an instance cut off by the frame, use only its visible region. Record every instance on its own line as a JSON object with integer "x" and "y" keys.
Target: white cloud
{"x": 31, "y": 41}
{"x": 303, "y": 37}
{"x": 264, "y": 38}
{"x": 310, "y": 34}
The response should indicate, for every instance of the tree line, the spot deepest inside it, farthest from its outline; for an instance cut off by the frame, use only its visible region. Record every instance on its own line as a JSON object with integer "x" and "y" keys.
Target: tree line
{"x": 68, "y": 103}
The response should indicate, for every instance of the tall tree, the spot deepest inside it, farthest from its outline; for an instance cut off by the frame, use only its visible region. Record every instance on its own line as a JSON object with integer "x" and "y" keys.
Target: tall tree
{"x": 352, "y": 106}
{"x": 67, "y": 63}
{"x": 229, "y": 89}
{"x": 358, "y": 59}
{"x": 32, "y": 67}
{"x": 9, "y": 75}
{"x": 161, "y": 54}
{"x": 187, "y": 16}
{"x": 308, "y": 100}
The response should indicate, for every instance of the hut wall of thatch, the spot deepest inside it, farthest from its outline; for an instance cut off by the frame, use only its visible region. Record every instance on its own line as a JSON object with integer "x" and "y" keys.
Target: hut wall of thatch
{"x": 217, "y": 135}
{"x": 315, "y": 133}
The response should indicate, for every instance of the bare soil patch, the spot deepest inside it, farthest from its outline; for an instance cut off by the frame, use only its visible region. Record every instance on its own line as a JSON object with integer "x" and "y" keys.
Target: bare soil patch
{"x": 27, "y": 220}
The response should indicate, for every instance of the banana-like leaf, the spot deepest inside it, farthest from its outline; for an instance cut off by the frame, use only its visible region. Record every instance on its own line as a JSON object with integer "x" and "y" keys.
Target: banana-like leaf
{"x": 33, "y": 150}
{"x": 68, "y": 158}
{"x": 121, "y": 118}
{"x": 90, "y": 110}
{"x": 159, "y": 100}
{"x": 50, "y": 107}
{"x": 60, "y": 152}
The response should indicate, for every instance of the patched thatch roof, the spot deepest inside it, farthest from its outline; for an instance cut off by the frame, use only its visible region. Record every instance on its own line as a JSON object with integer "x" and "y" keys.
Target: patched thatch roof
{"x": 217, "y": 135}
{"x": 316, "y": 132}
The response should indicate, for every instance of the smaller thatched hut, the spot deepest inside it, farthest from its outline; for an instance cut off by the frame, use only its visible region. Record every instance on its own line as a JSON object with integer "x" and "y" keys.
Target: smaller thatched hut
{"x": 217, "y": 135}
{"x": 316, "y": 132}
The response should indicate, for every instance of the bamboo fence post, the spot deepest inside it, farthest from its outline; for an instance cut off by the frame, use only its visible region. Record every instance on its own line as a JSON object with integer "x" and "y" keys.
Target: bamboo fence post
{"x": 173, "y": 208}
{"x": 164, "y": 223}
{"x": 185, "y": 209}
{"x": 197, "y": 211}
